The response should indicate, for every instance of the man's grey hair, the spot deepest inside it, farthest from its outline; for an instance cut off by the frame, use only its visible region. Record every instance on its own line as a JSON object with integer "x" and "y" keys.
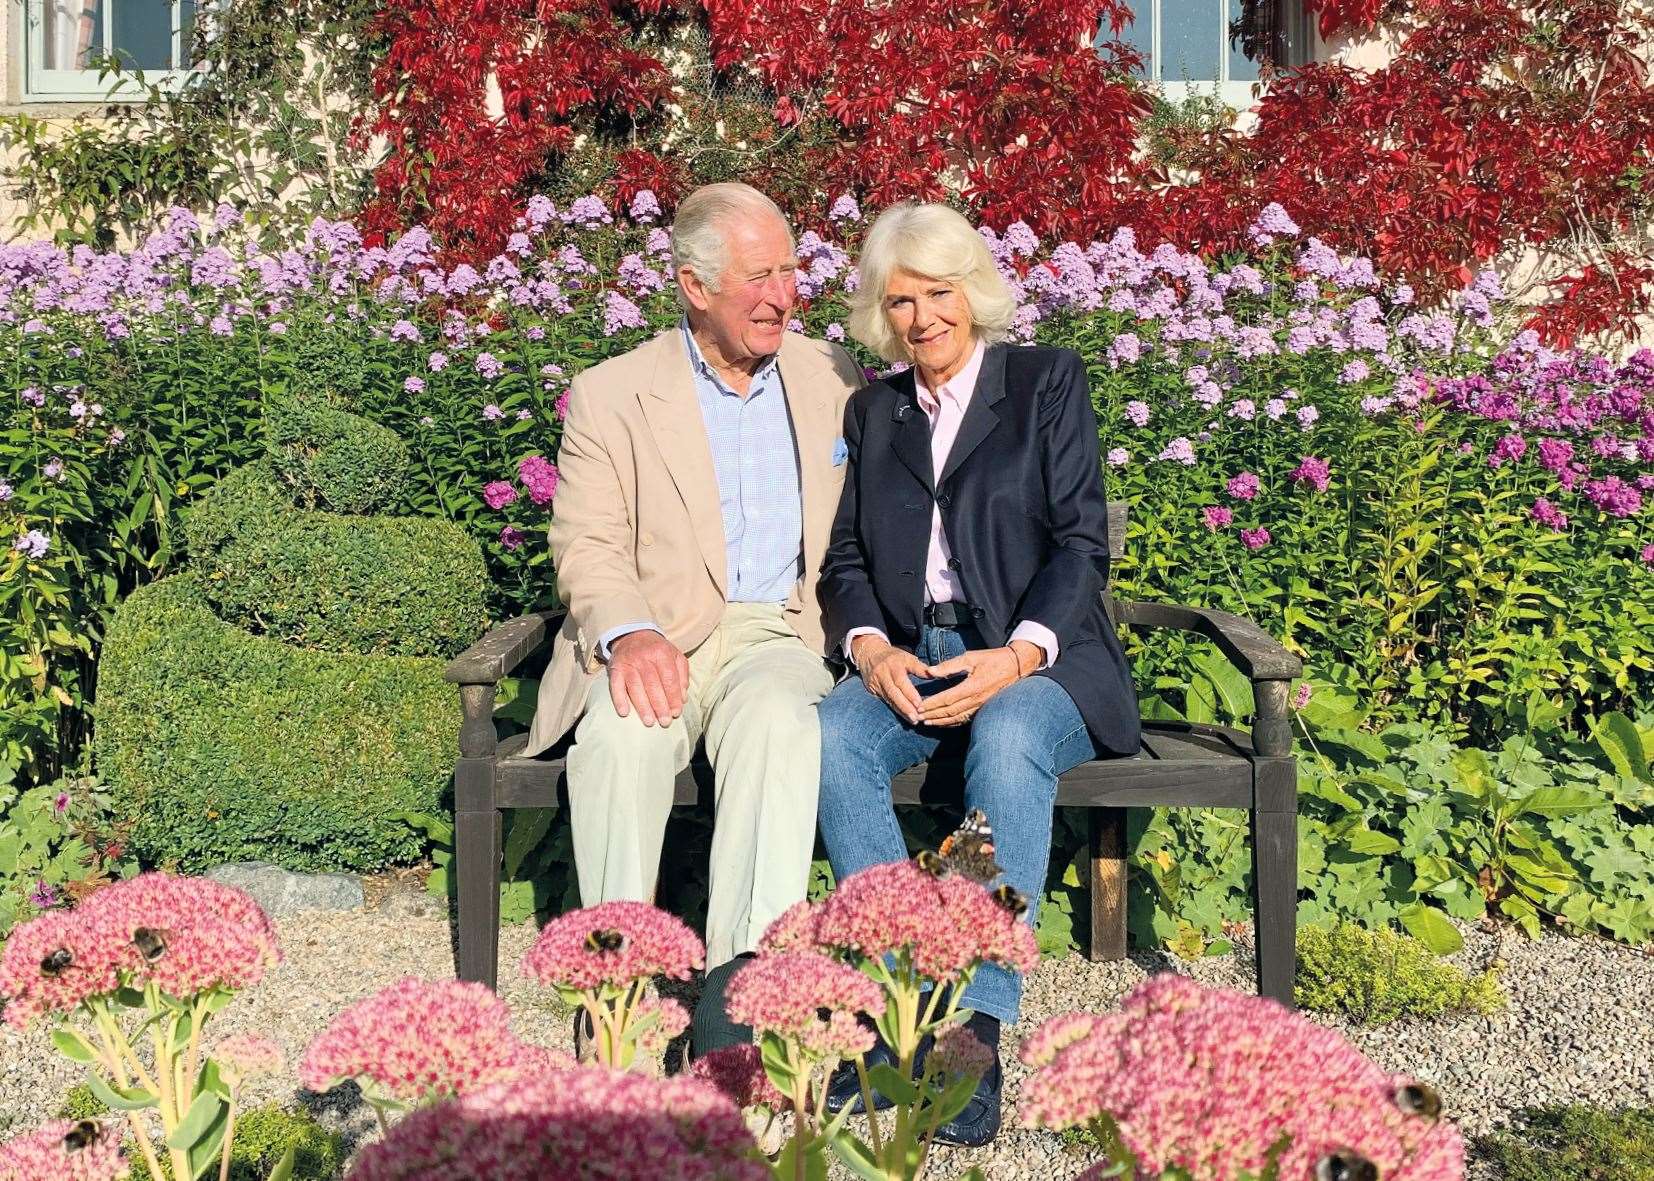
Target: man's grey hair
{"x": 700, "y": 230}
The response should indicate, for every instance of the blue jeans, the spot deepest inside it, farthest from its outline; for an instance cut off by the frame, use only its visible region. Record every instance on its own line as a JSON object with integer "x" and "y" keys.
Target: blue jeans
{"x": 1014, "y": 749}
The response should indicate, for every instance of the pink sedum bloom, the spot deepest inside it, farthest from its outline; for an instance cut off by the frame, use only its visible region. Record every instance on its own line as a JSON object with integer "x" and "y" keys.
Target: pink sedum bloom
{"x": 958, "y": 1053}
{"x": 572, "y": 1124}
{"x": 53, "y": 963}
{"x": 199, "y": 934}
{"x": 1207, "y": 1080}
{"x": 245, "y": 1056}
{"x": 794, "y": 930}
{"x": 652, "y": 943}
{"x": 809, "y": 999}
{"x": 62, "y": 1151}
{"x": 671, "y": 1020}
{"x": 738, "y": 1071}
{"x": 420, "y": 1040}
{"x": 946, "y": 924}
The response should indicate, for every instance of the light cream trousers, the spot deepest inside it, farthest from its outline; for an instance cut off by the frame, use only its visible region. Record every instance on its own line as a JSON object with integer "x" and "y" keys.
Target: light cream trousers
{"x": 753, "y": 688}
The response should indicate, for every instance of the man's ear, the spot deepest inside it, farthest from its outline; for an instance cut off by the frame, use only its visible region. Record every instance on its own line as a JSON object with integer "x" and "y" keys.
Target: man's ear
{"x": 693, "y": 289}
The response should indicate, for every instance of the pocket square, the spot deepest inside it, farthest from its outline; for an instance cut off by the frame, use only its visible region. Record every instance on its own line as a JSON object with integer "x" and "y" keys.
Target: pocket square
{"x": 841, "y": 451}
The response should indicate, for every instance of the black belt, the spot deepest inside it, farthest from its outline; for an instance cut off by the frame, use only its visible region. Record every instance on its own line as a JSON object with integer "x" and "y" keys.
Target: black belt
{"x": 953, "y": 614}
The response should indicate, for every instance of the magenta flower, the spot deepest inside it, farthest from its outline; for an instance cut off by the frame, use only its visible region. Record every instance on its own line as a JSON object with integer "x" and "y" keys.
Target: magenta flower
{"x": 1614, "y": 496}
{"x": 539, "y": 476}
{"x": 649, "y": 943}
{"x": 1301, "y": 695}
{"x": 499, "y": 493}
{"x": 61, "y": 1151}
{"x": 1216, "y": 516}
{"x": 1209, "y": 1081}
{"x": 1317, "y": 473}
{"x": 1243, "y": 486}
{"x": 809, "y": 999}
{"x": 43, "y": 896}
{"x": 420, "y": 1039}
{"x": 587, "y": 1123}
{"x": 944, "y": 924}
{"x": 60, "y": 803}
{"x": 1549, "y": 515}
{"x": 512, "y": 537}
{"x": 1648, "y": 555}
{"x": 1255, "y": 538}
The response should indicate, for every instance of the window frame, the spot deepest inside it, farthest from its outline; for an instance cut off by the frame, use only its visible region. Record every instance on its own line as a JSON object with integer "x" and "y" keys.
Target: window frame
{"x": 40, "y": 84}
{"x": 1237, "y": 94}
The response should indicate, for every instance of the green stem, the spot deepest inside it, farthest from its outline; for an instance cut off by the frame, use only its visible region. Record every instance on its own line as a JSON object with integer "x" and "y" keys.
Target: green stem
{"x": 229, "y": 1136}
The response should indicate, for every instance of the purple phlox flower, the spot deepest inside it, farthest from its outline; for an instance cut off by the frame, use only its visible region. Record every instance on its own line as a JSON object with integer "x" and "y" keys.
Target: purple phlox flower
{"x": 1548, "y": 514}
{"x": 1243, "y": 486}
{"x": 587, "y": 212}
{"x": 660, "y": 242}
{"x": 413, "y": 384}
{"x": 5, "y": 491}
{"x": 845, "y": 209}
{"x": 438, "y": 362}
{"x": 1313, "y": 471}
{"x": 1243, "y": 408}
{"x": 835, "y": 331}
{"x": 1354, "y": 371}
{"x": 539, "y": 211}
{"x": 1255, "y": 538}
{"x": 54, "y": 469}
{"x": 117, "y": 437}
{"x": 33, "y": 395}
{"x": 1614, "y": 496}
{"x": 1138, "y": 412}
{"x": 620, "y": 312}
{"x": 32, "y": 544}
{"x": 1648, "y": 555}
{"x": 645, "y": 207}
{"x": 637, "y": 275}
{"x": 489, "y": 366}
{"x": 1125, "y": 349}
{"x": 492, "y": 412}
{"x": 1273, "y": 222}
{"x": 77, "y": 409}
{"x": 43, "y": 896}
{"x": 1180, "y": 450}
{"x": 512, "y": 537}
{"x": 1275, "y": 408}
{"x": 1118, "y": 457}
{"x": 1509, "y": 447}
{"x": 404, "y": 330}
{"x": 1020, "y": 237}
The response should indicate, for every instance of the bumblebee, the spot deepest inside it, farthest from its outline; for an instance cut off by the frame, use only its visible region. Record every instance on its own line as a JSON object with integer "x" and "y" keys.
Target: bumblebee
{"x": 1012, "y": 900}
{"x": 1419, "y": 1099}
{"x": 150, "y": 943}
{"x": 1345, "y": 1165}
{"x": 604, "y": 940}
{"x": 57, "y": 963}
{"x": 83, "y": 1135}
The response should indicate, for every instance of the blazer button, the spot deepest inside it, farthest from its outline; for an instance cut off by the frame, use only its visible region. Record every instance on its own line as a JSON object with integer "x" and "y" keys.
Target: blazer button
{"x": 955, "y": 565}
{"x": 943, "y": 500}
{"x": 977, "y": 613}
{"x": 646, "y": 537}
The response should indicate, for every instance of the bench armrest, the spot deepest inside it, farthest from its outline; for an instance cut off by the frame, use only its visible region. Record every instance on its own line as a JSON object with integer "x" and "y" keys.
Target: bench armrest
{"x": 1260, "y": 657}
{"x": 494, "y": 657}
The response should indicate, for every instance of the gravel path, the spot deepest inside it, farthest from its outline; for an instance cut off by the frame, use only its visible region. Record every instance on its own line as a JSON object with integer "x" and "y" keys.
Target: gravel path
{"x": 1579, "y": 1028}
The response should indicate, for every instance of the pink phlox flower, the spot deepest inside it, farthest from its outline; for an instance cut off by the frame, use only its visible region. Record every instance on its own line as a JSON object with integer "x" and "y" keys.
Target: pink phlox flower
{"x": 419, "y": 1039}
{"x": 1207, "y": 1081}
{"x": 1548, "y": 514}
{"x": 539, "y": 475}
{"x": 1317, "y": 473}
{"x": 64, "y": 1151}
{"x": 1255, "y": 538}
{"x": 499, "y": 493}
{"x": 652, "y": 943}
{"x": 1179, "y": 450}
{"x": 512, "y": 538}
{"x": 1243, "y": 486}
{"x": 1614, "y": 496}
{"x": 738, "y": 1071}
{"x": 1216, "y": 516}
{"x": 1138, "y": 412}
{"x": 945, "y": 924}
{"x": 808, "y": 998}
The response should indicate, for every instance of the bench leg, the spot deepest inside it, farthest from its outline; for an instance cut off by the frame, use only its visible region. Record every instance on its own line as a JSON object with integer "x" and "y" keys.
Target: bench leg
{"x": 1275, "y": 877}
{"x": 1108, "y": 882}
{"x": 477, "y": 854}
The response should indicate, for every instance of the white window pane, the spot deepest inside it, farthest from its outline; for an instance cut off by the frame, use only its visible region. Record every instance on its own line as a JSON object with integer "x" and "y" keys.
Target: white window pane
{"x": 72, "y": 31}
{"x": 1241, "y": 67}
{"x": 1191, "y": 39}
{"x": 186, "y": 35}
{"x": 143, "y": 33}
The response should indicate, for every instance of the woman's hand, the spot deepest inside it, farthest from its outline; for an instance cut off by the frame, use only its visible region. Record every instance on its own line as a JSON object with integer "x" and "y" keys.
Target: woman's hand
{"x": 988, "y": 670}
{"x": 888, "y": 673}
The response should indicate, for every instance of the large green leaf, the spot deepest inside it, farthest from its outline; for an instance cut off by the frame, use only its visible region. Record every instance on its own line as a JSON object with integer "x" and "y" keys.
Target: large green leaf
{"x": 1432, "y": 928}
{"x": 1621, "y": 743}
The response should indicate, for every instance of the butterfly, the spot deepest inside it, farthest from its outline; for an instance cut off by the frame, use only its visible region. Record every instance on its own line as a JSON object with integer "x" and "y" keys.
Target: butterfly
{"x": 967, "y": 851}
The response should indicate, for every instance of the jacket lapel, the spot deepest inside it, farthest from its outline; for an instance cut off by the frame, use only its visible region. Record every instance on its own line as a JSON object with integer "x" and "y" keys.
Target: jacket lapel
{"x": 679, "y": 430}
{"x": 980, "y": 419}
{"x": 808, "y": 393}
{"x": 910, "y": 436}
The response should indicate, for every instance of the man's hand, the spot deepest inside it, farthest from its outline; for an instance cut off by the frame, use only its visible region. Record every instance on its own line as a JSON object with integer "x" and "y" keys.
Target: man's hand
{"x": 648, "y": 673}
{"x": 988, "y": 670}
{"x": 888, "y": 673}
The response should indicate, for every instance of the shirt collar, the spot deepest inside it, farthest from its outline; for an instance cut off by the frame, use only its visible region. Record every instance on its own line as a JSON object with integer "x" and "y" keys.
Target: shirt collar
{"x": 958, "y": 388}
{"x": 698, "y": 361}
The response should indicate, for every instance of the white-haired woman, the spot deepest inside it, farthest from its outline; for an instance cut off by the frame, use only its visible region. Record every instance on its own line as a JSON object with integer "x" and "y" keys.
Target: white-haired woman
{"x": 963, "y": 580}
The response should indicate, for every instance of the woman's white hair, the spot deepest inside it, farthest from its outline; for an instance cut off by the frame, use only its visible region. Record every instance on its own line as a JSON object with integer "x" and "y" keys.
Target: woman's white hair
{"x": 938, "y": 243}
{"x": 700, "y": 230}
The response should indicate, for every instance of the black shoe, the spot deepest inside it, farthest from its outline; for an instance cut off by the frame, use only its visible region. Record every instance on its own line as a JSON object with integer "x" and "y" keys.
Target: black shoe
{"x": 710, "y": 1028}
{"x": 978, "y": 1123}
{"x": 844, "y": 1088}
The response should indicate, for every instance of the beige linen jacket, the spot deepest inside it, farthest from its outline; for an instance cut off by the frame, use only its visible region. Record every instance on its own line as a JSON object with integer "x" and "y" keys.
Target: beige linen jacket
{"x": 636, "y": 531}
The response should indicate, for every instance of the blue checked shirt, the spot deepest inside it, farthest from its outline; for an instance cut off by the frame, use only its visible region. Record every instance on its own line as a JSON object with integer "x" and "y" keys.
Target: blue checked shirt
{"x": 756, "y": 460}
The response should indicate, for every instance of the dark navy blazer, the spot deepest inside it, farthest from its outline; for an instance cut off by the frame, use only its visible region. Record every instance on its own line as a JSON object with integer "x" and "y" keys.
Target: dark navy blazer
{"x": 1025, "y": 515}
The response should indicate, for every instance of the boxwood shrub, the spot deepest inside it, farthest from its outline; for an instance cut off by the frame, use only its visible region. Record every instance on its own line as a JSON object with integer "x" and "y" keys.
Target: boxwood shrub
{"x": 225, "y": 746}
{"x": 332, "y": 459}
{"x": 412, "y": 586}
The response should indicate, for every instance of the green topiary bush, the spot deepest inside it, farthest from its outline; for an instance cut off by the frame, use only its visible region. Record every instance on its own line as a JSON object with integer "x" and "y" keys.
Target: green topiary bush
{"x": 410, "y": 586}
{"x": 1378, "y": 976}
{"x": 1576, "y": 1143}
{"x": 331, "y": 459}
{"x": 224, "y": 746}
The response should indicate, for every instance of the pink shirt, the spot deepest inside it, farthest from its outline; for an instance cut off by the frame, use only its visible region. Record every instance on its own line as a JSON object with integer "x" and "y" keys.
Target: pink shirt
{"x": 946, "y": 410}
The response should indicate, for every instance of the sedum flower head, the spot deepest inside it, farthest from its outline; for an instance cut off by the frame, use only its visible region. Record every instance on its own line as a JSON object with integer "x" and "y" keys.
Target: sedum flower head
{"x": 946, "y": 924}
{"x": 793, "y": 930}
{"x": 64, "y": 1150}
{"x": 807, "y": 998}
{"x": 638, "y": 942}
{"x": 958, "y": 1052}
{"x": 1207, "y": 1081}
{"x": 187, "y": 935}
{"x": 245, "y": 1056}
{"x": 571, "y": 1124}
{"x": 420, "y": 1039}
{"x": 738, "y": 1071}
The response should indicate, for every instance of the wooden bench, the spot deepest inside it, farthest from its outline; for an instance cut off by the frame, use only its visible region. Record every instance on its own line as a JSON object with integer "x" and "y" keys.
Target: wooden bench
{"x": 1181, "y": 765}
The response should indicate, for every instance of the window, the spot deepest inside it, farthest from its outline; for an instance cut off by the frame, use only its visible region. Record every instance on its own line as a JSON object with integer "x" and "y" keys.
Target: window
{"x": 66, "y": 38}
{"x": 1215, "y": 45}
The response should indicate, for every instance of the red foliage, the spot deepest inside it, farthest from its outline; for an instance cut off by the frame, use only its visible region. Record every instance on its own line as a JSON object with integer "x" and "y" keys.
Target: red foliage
{"x": 451, "y": 165}
{"x": 1337, "y": 16}
{"x": 1008, "y": 102}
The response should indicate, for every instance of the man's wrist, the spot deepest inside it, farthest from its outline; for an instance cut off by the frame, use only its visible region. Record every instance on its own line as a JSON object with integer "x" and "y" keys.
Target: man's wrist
{"x": 865, "y": 645}
{"x": 1028, "y": 656}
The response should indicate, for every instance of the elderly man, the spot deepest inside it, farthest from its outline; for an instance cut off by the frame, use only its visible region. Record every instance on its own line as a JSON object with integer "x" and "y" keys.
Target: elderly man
{"x": 700, "y": 474}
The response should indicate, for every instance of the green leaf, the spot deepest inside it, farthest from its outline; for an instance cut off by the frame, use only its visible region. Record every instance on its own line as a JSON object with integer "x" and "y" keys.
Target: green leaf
{"x": 1365, "y": 840}
{"x": 528, "y": 827}
{"x": 120, "y": 1099}
{"x": 857, "y": 1157}
{"x": 71, "y": 1045}
{"x": 284, "y": 1167}
{"x": 197, "y": 1121}
{"x": 1559, "y": 801}
{"x": 1432, "y": 928}
{"x": 888, "y": 1081}
{"x": 1621, "y": 743}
